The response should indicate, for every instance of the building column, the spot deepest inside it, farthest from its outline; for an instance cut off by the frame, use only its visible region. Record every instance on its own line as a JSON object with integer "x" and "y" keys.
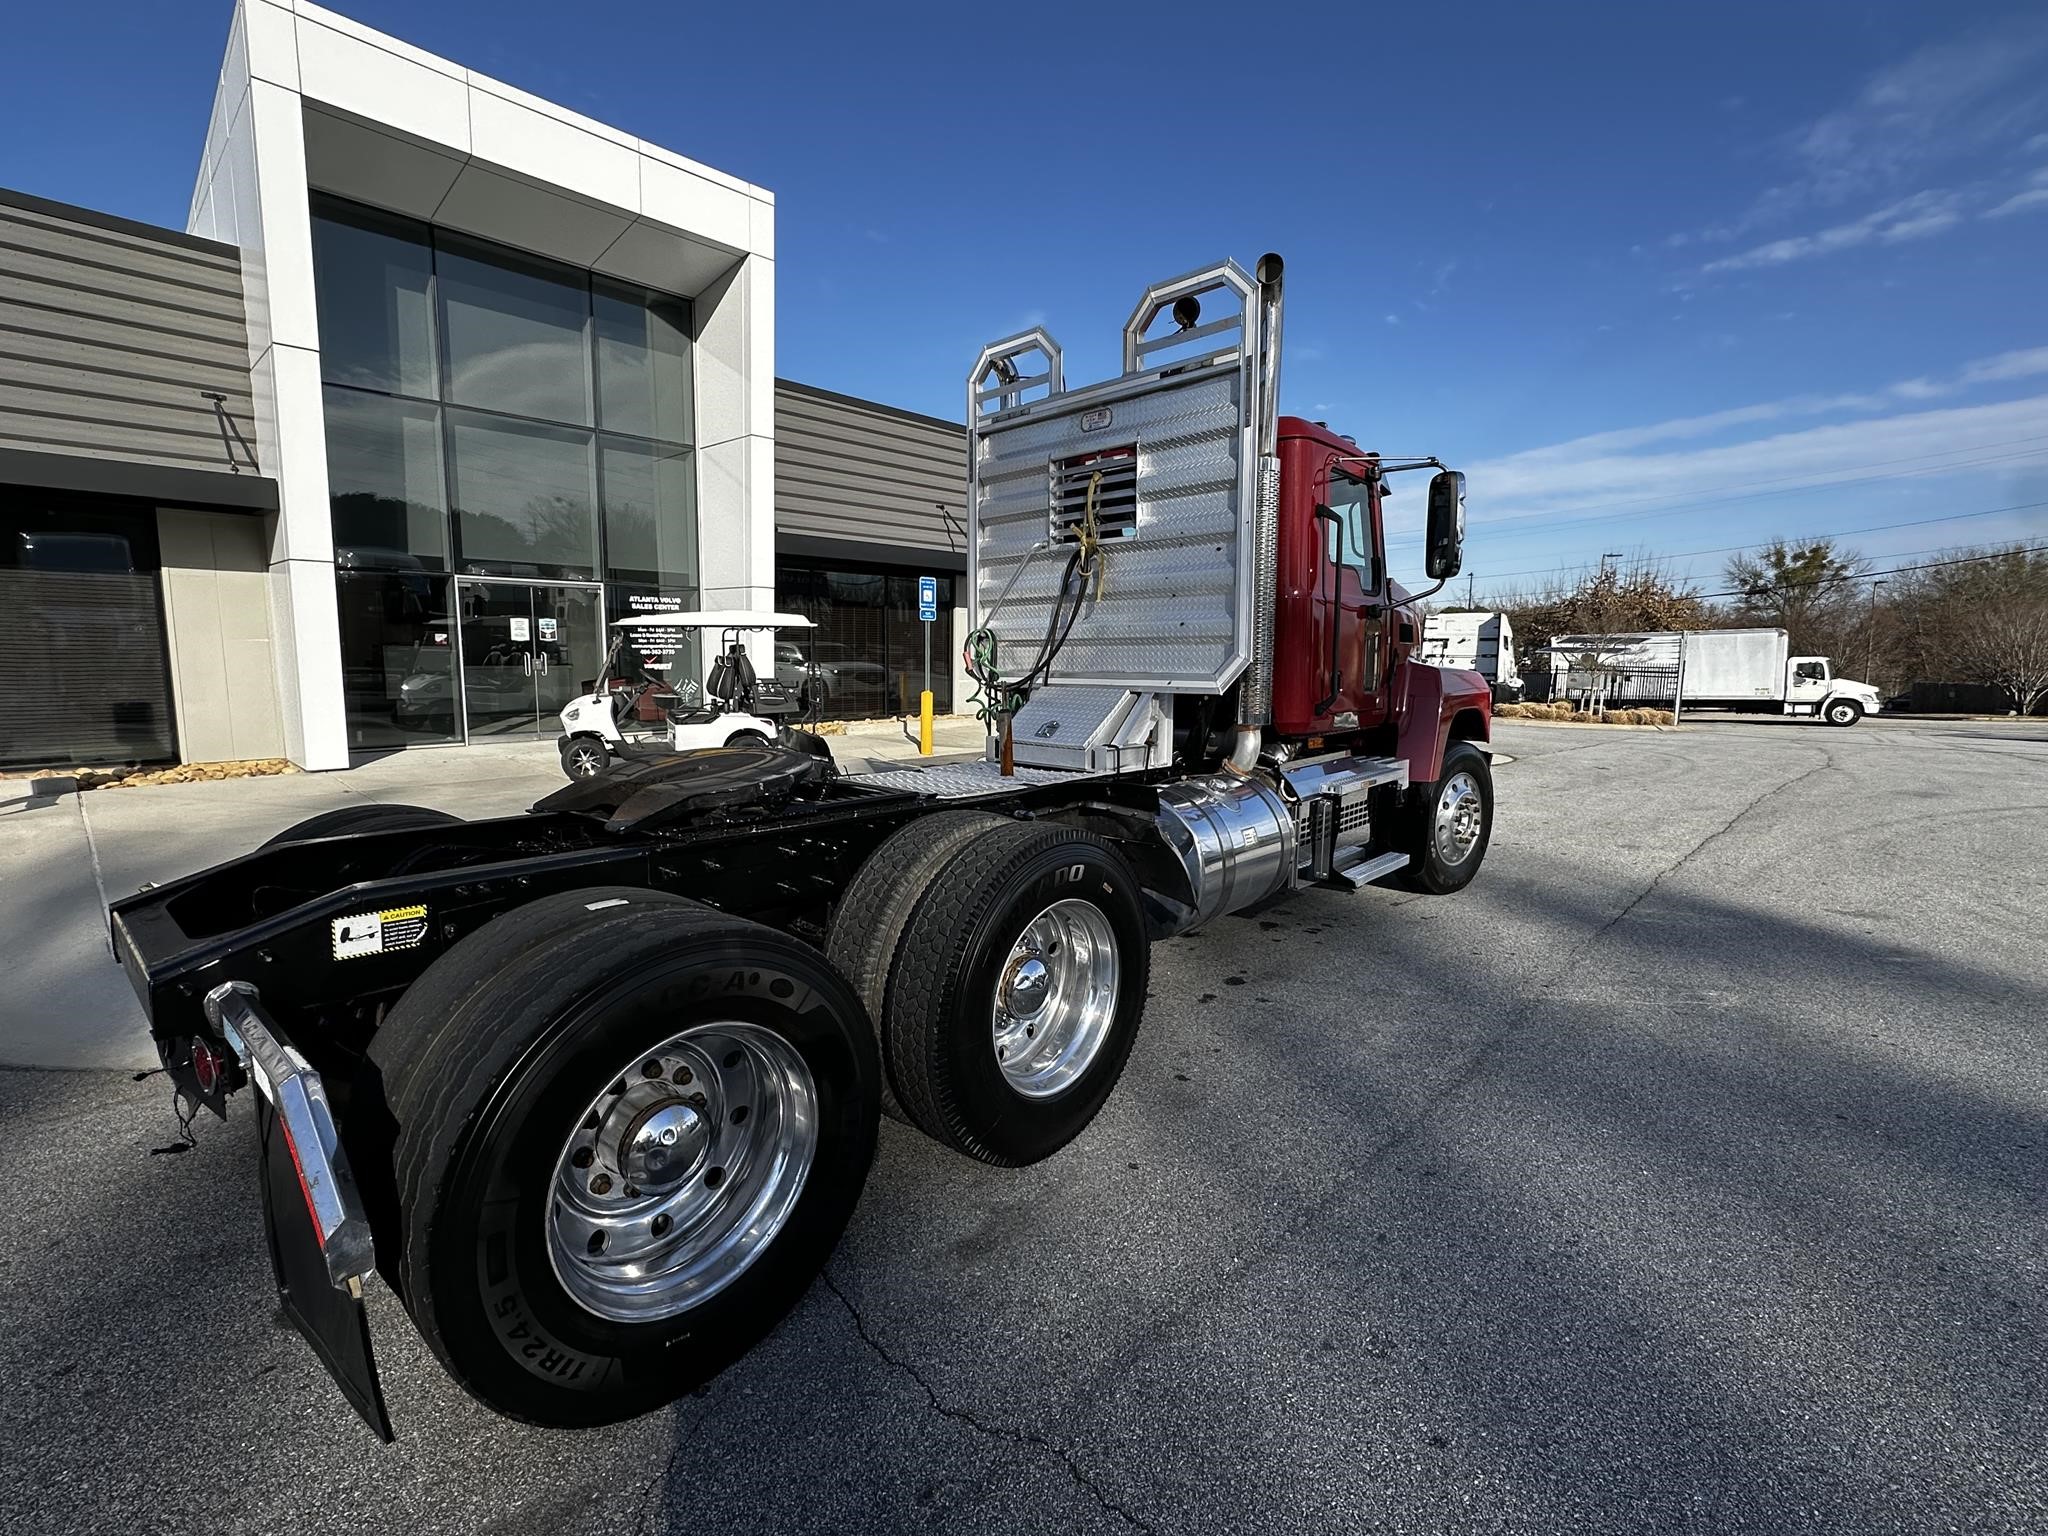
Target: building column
{"x": 735, "y": 383}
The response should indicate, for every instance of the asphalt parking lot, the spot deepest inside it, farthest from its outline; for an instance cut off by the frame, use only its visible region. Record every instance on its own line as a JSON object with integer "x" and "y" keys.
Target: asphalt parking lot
{"x": 1684, "y": 1174}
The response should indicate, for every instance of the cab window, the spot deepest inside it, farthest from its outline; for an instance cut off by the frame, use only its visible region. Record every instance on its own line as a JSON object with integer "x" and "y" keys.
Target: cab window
{"x": 1811, "y": 672}
{"x": 1348, "y": 540}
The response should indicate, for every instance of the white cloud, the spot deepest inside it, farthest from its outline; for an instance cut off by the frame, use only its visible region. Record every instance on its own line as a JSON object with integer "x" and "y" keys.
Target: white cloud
{"x": 1552, "y": 484}
{"x": 1912, "y": 121}
{"x": 1942, "y": 101}
{"x": 2035, "y": 196}
{"x": 1601, "y": 469}
{"x": 1910, "y": 218}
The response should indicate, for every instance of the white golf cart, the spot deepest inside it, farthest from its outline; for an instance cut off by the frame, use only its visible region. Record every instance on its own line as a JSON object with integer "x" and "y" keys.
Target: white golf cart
{"x": 737, "y": 708}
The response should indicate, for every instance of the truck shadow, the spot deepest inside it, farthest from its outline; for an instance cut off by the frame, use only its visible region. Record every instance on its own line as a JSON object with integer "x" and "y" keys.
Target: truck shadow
{"x": 1574, "y": 1251}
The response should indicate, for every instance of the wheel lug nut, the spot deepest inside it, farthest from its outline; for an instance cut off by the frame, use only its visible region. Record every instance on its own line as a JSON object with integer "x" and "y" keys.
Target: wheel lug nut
{"x": 601, "y": 1185}
{"x": 683, "y": 1074}
{"x": 652, "y": 1069}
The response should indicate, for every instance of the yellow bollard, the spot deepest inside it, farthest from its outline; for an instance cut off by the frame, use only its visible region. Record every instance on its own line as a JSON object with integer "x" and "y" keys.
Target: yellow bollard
{"x": 924, "y": 723}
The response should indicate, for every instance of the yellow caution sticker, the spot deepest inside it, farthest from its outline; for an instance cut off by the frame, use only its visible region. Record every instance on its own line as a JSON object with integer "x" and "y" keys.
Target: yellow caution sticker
{"x": 372, "y": 933}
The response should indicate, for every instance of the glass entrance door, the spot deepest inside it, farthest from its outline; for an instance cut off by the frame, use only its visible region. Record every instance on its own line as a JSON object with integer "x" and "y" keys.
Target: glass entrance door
{"x": 527, "y": 649}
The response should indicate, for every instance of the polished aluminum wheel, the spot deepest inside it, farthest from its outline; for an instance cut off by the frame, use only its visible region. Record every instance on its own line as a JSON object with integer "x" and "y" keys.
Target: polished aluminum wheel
{"x": 1460, "y": 818}
{"x": 1055, "y": 998}
{"x": 682, "y": 1171}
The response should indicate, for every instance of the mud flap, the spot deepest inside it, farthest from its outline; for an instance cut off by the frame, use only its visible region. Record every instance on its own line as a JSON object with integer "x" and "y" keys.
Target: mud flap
{"x": 333, "y": 1318}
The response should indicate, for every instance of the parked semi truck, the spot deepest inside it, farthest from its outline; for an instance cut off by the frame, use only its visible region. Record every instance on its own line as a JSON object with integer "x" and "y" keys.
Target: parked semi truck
{"x": 1751, "y": 670}
{"x": 596, "y": 1087}
{"x": 1481, "y": 642}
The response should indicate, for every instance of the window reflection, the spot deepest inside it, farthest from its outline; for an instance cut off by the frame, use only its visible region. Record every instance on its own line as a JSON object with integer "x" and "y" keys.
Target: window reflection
{"x": 643, "y": 363}
{"x": 397, "y": 658}
{"x": 515, "y": 334}
{"x": 384, "y": 479}
{"x": 372, "y": 281}
{"x": 523, "y": 498}
{"x": 650, "y": 524}
{"x": 868, "y": 647}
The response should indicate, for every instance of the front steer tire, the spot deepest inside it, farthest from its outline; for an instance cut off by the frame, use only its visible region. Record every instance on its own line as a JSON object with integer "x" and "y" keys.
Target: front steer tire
{"x": 958, "y": 955}
{"x": 1439, "y": 865}
{"x": 1843, "y": 712}
{"x": 508, "y": 1048}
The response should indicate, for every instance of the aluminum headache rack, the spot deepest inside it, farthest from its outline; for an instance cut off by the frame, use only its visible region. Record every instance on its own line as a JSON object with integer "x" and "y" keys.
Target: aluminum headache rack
{"x": 1171, "y": 468}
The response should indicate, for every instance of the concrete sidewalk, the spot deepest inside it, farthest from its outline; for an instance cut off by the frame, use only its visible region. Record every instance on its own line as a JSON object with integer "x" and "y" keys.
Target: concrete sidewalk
{"x": 63, "y": 1001}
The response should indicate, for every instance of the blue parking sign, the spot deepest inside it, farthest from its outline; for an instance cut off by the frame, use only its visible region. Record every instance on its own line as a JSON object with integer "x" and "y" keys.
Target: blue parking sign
{"x": 928, "y": 598}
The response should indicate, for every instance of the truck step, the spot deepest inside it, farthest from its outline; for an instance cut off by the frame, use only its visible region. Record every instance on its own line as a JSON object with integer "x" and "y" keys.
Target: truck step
{"x": 1357, "y": 876}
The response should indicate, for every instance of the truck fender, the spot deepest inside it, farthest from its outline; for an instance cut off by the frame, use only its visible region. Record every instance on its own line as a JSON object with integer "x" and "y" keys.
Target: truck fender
{"x": 1439, "y": 705}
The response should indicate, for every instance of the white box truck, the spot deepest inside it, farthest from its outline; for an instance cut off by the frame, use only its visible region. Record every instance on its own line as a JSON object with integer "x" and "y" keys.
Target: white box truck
{"x": 1751, "y": 670}
{"x": 1480, "y": 642}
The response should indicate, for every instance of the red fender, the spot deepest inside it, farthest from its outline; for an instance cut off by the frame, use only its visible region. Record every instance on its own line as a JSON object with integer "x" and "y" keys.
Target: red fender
{"x": 1428, "y": 700}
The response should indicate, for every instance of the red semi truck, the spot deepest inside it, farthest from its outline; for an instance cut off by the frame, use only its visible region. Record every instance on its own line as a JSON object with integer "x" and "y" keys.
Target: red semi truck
{"x": 595, "y": 1088}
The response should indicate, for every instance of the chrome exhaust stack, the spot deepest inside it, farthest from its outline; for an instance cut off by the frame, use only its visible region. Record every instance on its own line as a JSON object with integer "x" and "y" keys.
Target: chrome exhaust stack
{"x": 1255, "y": 695}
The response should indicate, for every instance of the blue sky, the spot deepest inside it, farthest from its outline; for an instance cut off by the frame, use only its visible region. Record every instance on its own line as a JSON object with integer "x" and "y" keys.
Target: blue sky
{"x": 1661, "y": 278}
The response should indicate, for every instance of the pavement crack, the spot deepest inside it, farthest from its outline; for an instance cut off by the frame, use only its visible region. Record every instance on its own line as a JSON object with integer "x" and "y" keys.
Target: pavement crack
{"x": 1026, "y": 1438}
{"x": 1827, "y": 761}
{"x": 649, "y": 1499}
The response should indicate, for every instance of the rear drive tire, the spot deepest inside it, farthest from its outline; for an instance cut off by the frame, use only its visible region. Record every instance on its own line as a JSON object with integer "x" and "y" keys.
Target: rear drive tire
{"x": 746, "y": 739}
{"x": 1449, "y": 823}
{"x": 363, "y": 818}
{"x": 1017, "y": 991}
{"x": 585, "y": 757}
{"x": 867, "y": 926}
{"x": 533, "y": 1076}
{"x": 1844, "y": 712}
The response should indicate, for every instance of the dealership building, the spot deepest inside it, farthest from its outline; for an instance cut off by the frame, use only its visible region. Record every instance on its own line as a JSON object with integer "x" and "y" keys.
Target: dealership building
{"x": 439, "y": 379}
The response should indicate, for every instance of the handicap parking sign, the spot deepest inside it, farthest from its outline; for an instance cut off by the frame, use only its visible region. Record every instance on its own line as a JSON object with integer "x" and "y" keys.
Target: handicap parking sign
{"x": 927, "y": 598}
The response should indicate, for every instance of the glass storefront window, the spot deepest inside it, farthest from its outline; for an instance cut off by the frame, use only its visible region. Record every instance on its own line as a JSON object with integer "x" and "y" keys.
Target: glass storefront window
{"x": 650, "y": 522}
{"x": 372, "y": 278}
{"x": 397, "y": 659}
{"x": 643, "y": 363}
{"x": 494, "y": 414}
{"x": 869, "y": 642}
{"x": 384, "y": 480}
{"x": 524, "y": 504}
{"x": 515, "y": 330}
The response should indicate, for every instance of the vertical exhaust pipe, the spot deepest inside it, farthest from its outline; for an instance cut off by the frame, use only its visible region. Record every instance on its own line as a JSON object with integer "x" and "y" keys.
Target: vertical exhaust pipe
{"x": 1255, "y": 694}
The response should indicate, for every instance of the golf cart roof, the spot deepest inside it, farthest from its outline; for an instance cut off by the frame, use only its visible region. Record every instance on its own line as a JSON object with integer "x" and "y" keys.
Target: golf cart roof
{"x": 714, "y": 618}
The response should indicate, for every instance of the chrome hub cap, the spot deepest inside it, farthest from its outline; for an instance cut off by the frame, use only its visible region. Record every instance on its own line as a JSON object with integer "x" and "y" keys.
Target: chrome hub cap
{"x": 1055, "y": 999}
{"x": 678, "y": 1175}
{"x": 1460, "y": 816}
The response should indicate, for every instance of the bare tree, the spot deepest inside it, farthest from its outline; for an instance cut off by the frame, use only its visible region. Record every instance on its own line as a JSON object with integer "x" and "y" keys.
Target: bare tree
{"x": 1982, "y": 619}
{"x": 1810, "y": 590}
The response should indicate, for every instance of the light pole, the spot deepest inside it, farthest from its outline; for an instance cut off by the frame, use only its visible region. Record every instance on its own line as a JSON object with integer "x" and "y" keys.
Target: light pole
{"x": 1870, "y": 650}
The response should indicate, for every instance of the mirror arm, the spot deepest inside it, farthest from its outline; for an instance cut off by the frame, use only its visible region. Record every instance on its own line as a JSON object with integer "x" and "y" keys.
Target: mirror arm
{"x": 1416, "y": 597}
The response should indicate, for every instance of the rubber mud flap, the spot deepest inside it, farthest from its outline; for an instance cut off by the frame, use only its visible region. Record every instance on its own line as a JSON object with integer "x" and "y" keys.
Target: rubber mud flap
{"x": 334, "y": 1322}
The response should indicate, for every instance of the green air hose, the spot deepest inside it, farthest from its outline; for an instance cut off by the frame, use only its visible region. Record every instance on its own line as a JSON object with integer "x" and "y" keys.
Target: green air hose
{"x": 993, "y": 696}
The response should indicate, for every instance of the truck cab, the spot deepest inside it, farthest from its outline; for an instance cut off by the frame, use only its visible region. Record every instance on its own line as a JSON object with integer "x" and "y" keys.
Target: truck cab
{"x": 1812, "y": 688}
{"x": 1344, "y": 631}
